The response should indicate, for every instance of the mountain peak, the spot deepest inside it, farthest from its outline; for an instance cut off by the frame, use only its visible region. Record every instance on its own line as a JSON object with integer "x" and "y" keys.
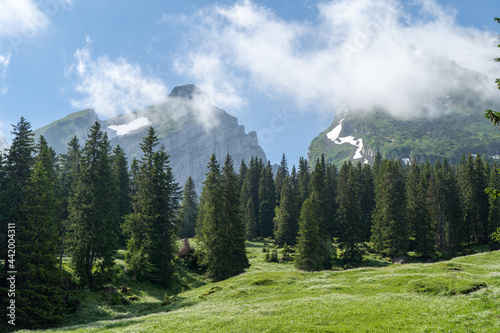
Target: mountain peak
{"x": 189, "y": 91}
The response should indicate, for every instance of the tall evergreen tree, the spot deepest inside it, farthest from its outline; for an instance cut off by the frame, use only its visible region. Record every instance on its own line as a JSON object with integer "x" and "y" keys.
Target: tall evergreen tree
{"x": 39, "y": 300}
{"x": 349, "y": 212}
{"x": 281, "y": 174}
{"x": 309, "y": 247}
{"x": 220, "y": 232}
{"x": 367, "y": 198}
{"x": 236, "y": 259}
{"x": 267, "y": 201}
{"x": 68, "y": 176}
{"x": 121, "y": 175}
{"x": 250, "y": 189}
{"x": 389, "y": 230}
{"x": 286, "y": 217}
{"x": 93, "y": 228}
{"x": 419, "y": 222}
{"x": 18, "y": 165}
{"x": 303, "y": 177}
{"x": 152, "y": 224}
{"x": 188, "y": 212}
{"x": 494, "y": 209}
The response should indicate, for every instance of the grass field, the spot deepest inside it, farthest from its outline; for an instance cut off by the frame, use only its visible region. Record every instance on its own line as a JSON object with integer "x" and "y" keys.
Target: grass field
{"x": 460, "y": 295}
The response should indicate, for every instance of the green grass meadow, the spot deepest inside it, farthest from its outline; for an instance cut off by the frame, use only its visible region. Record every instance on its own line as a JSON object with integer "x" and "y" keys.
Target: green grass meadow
{"x": 460, "y": 295}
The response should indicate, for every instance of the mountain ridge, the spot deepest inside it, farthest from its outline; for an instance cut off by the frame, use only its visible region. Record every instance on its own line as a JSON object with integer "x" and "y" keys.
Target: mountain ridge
{"x": 186, "y": 124}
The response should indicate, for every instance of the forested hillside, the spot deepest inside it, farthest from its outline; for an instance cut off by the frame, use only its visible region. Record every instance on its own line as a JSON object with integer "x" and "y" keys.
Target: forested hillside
{"x": 67, "y": 215}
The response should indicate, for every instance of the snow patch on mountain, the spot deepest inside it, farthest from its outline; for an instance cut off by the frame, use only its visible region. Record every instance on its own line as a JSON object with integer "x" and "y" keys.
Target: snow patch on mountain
{"x": 334, "y": 135}
{"x": 131, "y": 126}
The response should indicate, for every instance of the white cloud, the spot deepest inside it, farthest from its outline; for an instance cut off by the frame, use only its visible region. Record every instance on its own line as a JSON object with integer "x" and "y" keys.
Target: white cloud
{"x": 21, "y": 18}
{"x": 4, "y": 64}
{"x": 364, "y": 53}
{"x": 112, "y": 87}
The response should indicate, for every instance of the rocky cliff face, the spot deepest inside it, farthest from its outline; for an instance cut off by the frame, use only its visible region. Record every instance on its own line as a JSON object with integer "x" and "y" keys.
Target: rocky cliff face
{"x": 189, "y": 128}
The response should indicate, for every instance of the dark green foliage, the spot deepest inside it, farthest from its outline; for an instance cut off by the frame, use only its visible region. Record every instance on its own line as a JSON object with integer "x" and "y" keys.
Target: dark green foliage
{"x": 494, "y": 211}
{"x": 390, "y": 229}
{"x": 286, "y": 214}
{"x": 188, "y": 212}
{"x": 281, "y": 174}
{"x": 93, "y": 227}
{"x": 220, "y": 230}
{"x": 309, "y": 247}
{"x": 367, "y": 198}
{"x": 349, "y": 211}
{"x": 418, "y": 215}
{"x": 122, "y": 178}
{"x": 303, "y": 178}
{"x": 152, "y": 224}
{"x": 473, "y": 181}
{"x": 444, "y": 206}
{"x": 267, "y": 201}
{"x": 18, "y": 164}
{"x": 39, "y": 297}
{"x": 250, "y": 190}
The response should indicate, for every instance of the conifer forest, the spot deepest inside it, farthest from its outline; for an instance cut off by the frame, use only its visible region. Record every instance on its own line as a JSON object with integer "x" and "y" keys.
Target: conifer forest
{"x": 64, "y": 217}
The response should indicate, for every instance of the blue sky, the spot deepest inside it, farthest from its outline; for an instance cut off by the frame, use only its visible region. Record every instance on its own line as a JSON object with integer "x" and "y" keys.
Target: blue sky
{"x": 283, "y": 67}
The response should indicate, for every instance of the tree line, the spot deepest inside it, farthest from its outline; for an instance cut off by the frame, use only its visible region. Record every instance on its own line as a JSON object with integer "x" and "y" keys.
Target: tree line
{"x": 89, "y": 202}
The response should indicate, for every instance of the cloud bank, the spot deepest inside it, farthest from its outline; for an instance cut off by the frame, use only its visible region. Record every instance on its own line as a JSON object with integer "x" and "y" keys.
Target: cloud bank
{"x": 365, "y": 54}
{"x": 112, "y": 87}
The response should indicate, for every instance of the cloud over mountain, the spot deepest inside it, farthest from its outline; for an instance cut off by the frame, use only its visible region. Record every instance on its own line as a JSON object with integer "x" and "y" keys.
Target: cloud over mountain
{"x": 396, "y": 55}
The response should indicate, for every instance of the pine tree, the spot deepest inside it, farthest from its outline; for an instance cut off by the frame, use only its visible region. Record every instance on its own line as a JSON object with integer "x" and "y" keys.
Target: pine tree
{"x": 152, "y": 224}
{"x": 267, "y": 201}
{"x": 39, "y": 300}
{"x": 121, "y": 175}
{"x": 349, "y": 211}
{"x": 389, "y": 230}
{"x": 188, "y": 212}
{"x": 93, "y": 228}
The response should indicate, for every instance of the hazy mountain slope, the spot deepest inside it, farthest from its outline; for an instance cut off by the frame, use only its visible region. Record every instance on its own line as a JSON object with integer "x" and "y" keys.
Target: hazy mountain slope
{"x": 190, "y": 128}
{"x": 461, "y": 128}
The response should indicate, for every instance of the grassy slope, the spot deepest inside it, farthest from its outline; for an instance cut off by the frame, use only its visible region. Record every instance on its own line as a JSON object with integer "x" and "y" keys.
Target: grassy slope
{"x": 274, "y": 297}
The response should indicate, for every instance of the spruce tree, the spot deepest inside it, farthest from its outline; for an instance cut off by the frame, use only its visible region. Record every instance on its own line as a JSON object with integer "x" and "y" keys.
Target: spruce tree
{"x": 494, "y": 208}
{"x": 93, "y": 228}
{"x": 286, "y": 217}
{"x": 152, "y": 224}
{"x": 281, "y": 174}
{"x": 68, "y": 176}
{"x": 267, "y": 201}
{"x": 419, "y": 222}
{"x": 236, "y": 259}
{"x": 349, "y": 212}
{"x": 18, "y": 165}
{"x": 220, "y": 232}
{"x": 40, "y": 300}
{"x": 367, "y": 197}
{"x": 120, "y": 173}
{"x": 309, "y": 247}
{"x": 389, "y": 230}
{"x": 188, "y": 212}
{"x": 303, "y": 178}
